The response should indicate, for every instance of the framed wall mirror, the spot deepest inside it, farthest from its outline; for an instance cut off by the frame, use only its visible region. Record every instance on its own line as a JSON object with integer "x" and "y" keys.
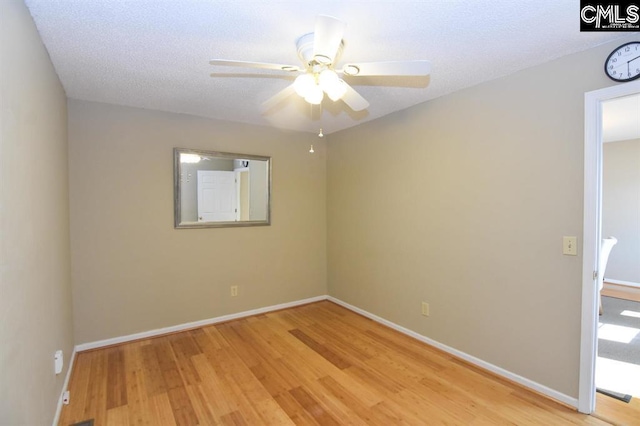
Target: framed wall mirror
{"x": 220, "y": 189}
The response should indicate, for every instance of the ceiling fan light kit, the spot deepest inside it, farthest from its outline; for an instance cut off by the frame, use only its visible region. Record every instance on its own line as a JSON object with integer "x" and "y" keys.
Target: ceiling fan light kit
{"x": 313, "y": 85}
{"x": 331, "y": 84}
{"x": 314, "y": 95}
{"x": 304, "y": 84}
{"x": 319, "y": 52}
{"x": 337, "y": 90}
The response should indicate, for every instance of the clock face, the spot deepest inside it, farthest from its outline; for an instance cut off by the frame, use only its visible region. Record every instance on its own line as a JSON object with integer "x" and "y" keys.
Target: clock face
{"x": 623, "y": 64}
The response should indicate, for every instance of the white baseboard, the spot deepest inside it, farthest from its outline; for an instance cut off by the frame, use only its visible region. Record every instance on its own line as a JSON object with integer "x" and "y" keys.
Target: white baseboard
{"x": 65, "y": 385}
{"x": 573, "y": 402}
{"x": 195, "y": 324}
{"x": 620, "y": 282}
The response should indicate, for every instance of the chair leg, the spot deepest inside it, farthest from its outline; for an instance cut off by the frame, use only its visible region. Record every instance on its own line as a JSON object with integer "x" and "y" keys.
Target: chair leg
{"x": 600, "y": 304}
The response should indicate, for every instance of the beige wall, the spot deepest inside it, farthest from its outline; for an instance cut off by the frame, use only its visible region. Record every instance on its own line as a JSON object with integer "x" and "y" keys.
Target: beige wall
{"x": 462, "y": 202}
{"x": 35, "y": 289}
{"x": 621, "y": 208}
{"x": 133, "y": 272}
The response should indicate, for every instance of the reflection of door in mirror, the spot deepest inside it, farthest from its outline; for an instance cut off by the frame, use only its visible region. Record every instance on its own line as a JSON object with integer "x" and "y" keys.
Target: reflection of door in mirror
{"x": 242, "y": 178}
{"x": 218, "y": 189}
{"x": 216, "y": 196}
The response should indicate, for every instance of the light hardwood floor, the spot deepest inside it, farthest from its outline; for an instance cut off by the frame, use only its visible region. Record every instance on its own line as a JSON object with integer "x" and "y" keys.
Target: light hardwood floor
{"x": 313, "y": 364}
{"x": 617, "y": 412}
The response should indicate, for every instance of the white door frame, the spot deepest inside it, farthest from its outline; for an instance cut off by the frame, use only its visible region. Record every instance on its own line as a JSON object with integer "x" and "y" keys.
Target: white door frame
{"x": 592, "y": 235}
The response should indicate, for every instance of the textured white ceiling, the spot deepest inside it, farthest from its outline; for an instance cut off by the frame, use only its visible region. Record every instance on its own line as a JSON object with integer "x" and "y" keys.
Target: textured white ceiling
{"x": 154, "y": 53}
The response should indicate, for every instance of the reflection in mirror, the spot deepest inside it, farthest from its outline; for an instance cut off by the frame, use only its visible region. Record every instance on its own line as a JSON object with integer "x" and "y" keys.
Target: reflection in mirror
{"x": 219, "y": 189}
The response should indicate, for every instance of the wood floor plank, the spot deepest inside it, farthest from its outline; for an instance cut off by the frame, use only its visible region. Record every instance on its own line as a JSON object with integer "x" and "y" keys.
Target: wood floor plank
{"x": 294, "y": 409}
{"x": 318, "y": 364}
{"x": 336, "y": 390}
{"x": 116, "y": 383}
{"x": 153, "y": 377}
{"x": 617, "y": 412}
{"x": 167, "y": 364}
{"x": 208, "y": 339}
{"x": 160, "y": 411}
{"x": 137, "y": 399}
{"x": 369, "y": 396}
{"x": 118, "y": 416}
{"x": 384, "y": 414}
{"x": 342, "y": 340}
{"x": 312, "y": 407}
{"x": 234, "y": 418}
{"x": 184, "y": 347}
{"x": 215, "y": 388}
{"x": 271, "y": 379}
{"x": 201, "y": 406}
{"x": 242, "y": 346}
{"x": 181, "y": 406}
{"x": 96, "y": 403}
{"x": 236, "y": 385}
{"x": 322, "y": 350}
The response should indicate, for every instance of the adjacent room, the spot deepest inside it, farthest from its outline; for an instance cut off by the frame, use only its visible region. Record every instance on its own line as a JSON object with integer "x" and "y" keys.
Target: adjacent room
{"x": 228, "y": 212}
{"x": 618, "y": 365}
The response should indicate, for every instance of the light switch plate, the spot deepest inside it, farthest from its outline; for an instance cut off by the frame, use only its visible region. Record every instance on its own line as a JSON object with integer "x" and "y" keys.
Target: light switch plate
{"x": 570, "y": 246}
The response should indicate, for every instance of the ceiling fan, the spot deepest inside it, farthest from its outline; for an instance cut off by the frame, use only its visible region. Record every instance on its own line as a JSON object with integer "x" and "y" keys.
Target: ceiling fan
{"x": 319, "y": 52}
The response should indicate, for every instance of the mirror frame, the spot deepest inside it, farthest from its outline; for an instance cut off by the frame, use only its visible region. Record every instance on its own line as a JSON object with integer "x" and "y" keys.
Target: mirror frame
{"x": 177, "y": 168}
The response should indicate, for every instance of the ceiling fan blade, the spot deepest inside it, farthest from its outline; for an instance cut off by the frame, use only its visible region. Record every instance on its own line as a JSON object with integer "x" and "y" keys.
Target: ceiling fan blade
{"x": 327, "y": 38}
{"x": 408, "y": 68}
{"x": 354, "y": 100}
{"x": 246, "y": 64}
{"x": 278, "y": 97}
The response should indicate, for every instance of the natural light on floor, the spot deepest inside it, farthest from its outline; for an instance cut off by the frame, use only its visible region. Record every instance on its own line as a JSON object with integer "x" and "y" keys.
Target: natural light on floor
{"x": 619, "y": 376}
{"x": 617, "y": 333}
{"x": 633, "y": 314}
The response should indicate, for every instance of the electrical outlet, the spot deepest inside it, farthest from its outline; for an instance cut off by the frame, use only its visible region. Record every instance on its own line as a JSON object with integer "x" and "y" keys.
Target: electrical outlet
{"x": 234, "y": 290}
{"x": 58, "y": 362}
{"x": 425, "y": 309}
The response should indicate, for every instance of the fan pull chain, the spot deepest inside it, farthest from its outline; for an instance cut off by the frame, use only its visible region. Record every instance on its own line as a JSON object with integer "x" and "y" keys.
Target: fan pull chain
{"x": 311, "y": 151}
{"x": 320, "y": 134}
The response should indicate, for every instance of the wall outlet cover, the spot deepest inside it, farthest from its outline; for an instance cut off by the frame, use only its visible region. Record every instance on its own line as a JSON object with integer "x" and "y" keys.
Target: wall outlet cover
{"x": 425, "y": 309}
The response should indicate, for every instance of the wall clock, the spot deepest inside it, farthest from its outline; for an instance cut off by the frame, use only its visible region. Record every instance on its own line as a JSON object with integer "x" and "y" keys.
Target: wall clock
{"x": 623, "y": 64}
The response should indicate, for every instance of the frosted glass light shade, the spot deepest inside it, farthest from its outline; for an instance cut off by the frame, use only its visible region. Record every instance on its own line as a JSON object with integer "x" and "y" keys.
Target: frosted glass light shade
{"x": 315, "y": 95}
{"x": 331, "y": 84}
{"x": 337, "y": 91}
{"x": 304, "y": 84}
{"x": 328, "y": 79}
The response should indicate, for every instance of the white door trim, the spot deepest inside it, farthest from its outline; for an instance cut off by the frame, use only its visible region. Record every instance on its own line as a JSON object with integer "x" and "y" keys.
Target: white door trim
{"x": 592, "y": 235}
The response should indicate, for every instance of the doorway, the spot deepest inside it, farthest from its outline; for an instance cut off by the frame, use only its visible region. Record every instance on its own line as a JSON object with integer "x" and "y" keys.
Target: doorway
{"x": 592, "y": 235}
{"x": 618, "y": 359}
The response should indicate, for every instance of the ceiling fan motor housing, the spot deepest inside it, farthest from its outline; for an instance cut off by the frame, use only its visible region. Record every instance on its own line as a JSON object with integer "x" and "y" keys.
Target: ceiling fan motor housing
{"x": 305, "y": 52}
